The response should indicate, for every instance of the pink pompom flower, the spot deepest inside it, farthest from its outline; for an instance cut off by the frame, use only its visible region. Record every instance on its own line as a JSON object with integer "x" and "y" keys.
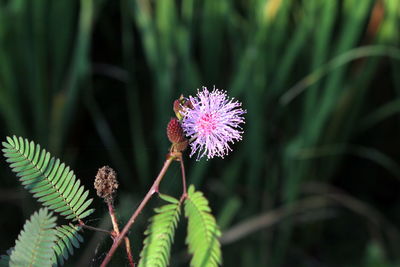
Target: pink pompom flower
{"x": 212, "y": 121}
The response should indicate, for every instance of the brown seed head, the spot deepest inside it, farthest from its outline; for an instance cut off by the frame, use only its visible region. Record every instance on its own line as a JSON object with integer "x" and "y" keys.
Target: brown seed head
{"x": 106, "y": 183}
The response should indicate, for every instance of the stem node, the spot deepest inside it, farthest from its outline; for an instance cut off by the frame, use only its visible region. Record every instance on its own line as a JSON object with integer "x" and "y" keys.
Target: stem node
{"x": 154, "y": 188}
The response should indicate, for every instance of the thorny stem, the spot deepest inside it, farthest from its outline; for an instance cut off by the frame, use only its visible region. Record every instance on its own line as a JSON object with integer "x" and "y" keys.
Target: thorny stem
{"x": 116, "y": 231}
{"x": 153, "y": 189}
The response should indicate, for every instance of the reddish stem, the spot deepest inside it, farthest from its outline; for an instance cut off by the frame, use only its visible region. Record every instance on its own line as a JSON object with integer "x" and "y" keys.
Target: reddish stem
{"x": 184, "y": 192}
{"x": 153, "y": 189}
{"x": 116, "y": 231}
{"x": 128, "y": 252}
{"x": 113, "y": 218}
{"x": 83, "y": 225}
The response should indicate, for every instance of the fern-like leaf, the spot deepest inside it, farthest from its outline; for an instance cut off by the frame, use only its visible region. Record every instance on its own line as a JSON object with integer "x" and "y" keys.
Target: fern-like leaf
{"x": 67, "y": 238}
{"x": 4, "y": 260}
{"x": 35, "y": 242}
{"x": 203, "y": 232}
{"x": 160, "y": 234}
{"x": 48, "y": 179}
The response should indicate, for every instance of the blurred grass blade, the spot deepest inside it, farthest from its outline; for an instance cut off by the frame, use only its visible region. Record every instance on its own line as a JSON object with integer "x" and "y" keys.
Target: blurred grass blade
{"x": 65, "y": 101}
{"x": 380, "y": 114}
{"x": 343, "y": 59}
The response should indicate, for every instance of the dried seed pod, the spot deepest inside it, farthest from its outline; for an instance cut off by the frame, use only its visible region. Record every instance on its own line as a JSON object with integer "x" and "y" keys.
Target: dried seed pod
{"x": 106, "y": 183}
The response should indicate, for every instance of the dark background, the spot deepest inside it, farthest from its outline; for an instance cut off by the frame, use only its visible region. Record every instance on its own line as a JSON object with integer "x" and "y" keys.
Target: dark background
{"x": 317, "y": 172}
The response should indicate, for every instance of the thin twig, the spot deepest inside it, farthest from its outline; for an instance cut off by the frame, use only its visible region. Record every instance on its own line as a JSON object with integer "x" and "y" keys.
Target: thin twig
{"x": 184, "y": 194}
{"x": 153, "y": 189}
{"x": 113, "y": 218}
{"x": 83, "y": 225}
{"x": 92, "y": 245}
{"x": 128, "y": 251}
{"x": 117, "y": 233}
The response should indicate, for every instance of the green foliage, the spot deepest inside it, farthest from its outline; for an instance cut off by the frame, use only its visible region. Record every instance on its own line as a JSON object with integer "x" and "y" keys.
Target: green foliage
{"x": 4, "y": 260}
{"x": 55, "y": 186}
{"x": 42, "y": 243}
{"x": 50, "y": 181}
{"x": 160, "y": 234}
{"x": 203, "y": 232}
{"x": 257, "y": 50}
{"x": 34, "y": 246}
{"x": 67, "y": 238}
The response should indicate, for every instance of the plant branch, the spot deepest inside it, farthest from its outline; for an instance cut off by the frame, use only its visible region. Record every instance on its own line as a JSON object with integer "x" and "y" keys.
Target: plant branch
{"x": 117, "y": 233}
{"x": 184, "y": 192}
{"x": 153, "y": 189}
{"x": 83, "y": 225}
{"x": 113, "y": 218}
{"x": 128, "y": 251}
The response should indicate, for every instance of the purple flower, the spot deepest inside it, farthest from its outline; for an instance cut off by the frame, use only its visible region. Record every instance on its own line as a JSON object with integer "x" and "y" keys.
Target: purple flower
{"x": 212, "y": 121}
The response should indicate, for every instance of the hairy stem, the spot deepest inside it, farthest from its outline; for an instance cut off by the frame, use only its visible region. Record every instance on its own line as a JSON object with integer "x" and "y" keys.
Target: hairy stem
{"x": 116, "y": 230}
{"x": 153, "y": 189}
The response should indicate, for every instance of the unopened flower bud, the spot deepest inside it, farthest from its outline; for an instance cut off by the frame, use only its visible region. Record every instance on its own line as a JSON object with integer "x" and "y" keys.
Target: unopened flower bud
{"x": 176, "y": 136}
{"x": 174, "y": 131}
{"x": 179, "y": 147}
{"x": 106, "y": 183}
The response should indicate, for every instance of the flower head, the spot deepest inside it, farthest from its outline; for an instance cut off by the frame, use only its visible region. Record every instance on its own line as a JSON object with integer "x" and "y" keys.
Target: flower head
{"x": 106, "y": 183}
{"x": 212, "y": 122}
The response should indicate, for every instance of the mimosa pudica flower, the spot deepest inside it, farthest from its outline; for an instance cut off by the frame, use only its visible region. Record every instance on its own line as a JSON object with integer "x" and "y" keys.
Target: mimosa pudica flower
{"x": 212, "y": 121}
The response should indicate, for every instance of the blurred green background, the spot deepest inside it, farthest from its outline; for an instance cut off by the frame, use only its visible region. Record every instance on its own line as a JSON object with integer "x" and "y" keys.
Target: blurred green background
{"x": 316, "y": 179}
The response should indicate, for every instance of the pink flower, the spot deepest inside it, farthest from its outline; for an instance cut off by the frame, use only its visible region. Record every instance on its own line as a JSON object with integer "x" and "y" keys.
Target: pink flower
{"x": 212, "y": 122}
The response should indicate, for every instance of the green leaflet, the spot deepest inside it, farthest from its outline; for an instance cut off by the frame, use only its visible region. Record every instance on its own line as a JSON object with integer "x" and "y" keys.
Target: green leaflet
{"x": 43, "y": 244}
{"x": 67, "y": 237}
{"x": 160, "y": 234}
{"x": 48, "y": 179}
{"x": 203, "y": 232}
{"x": 35, "y": 242}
